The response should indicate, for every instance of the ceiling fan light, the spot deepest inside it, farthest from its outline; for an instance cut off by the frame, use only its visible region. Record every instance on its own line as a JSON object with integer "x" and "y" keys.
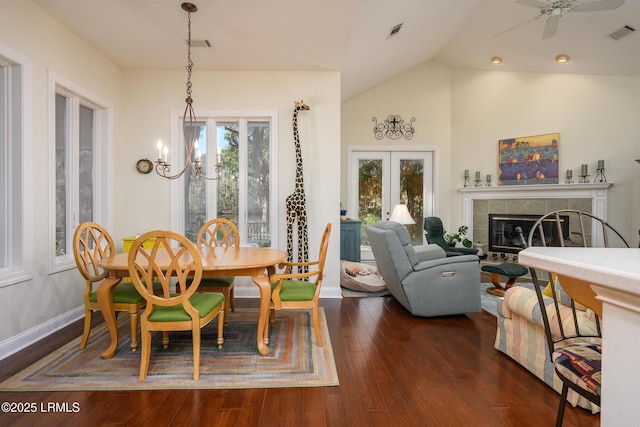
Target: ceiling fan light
{"x": 496, "y": 60}
{"x": 563, "y": 58}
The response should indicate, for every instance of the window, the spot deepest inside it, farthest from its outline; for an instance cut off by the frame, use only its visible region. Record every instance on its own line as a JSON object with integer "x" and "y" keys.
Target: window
{"x": 243, "y": 147}
{"x": 80, "y": 142}
{"x": 15, "y": 193}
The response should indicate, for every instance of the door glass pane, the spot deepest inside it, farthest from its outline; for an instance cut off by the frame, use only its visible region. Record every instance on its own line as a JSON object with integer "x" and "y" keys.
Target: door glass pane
{"x": 412, "y": 194}
{"x": 62, "y": 135}
{"x": 86, "y": 165}
{"x": 370, "y": 194}
{"x": 227, "y": 142}
{"x": 195, "y": 188}
{"x": 258, "y": 184}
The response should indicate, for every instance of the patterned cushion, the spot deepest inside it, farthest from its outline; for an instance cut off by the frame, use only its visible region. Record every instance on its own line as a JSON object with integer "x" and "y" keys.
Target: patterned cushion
{"x": 580, "y": 363}
{"x": 563, "y": 296}
{"x": 524, "y": 302}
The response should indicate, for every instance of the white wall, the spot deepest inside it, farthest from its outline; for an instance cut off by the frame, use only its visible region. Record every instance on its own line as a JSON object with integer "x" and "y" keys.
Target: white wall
{"x": 143, "y": 201}
{"x": 48, "y": 45}
{"x": 466, "y": 112}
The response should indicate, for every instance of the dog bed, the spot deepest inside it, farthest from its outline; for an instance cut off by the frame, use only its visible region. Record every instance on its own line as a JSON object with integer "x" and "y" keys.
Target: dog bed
{"x": 360, "y": 277}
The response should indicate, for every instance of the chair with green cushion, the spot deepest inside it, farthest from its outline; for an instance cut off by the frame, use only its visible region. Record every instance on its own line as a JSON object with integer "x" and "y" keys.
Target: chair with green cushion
{"x": 91, "y": 243}
{"x": 219, "y": 233}
{"x": 435, "y": 234}
{"x": 301, "y": 290}
{"x": 172, "y": 256}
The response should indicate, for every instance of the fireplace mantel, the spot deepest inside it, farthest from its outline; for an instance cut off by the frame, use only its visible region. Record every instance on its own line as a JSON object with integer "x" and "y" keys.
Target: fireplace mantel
{"x": 597, "y": 192}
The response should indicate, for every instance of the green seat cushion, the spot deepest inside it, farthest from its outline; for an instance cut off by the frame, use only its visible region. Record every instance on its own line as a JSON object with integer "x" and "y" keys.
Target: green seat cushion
{"x": 215, "y": 281}
{"x": 126, "y": 293}
{"x": 296, "y": 290}
{"x": 507, "y": 269}
{"x": 204, "y": 303}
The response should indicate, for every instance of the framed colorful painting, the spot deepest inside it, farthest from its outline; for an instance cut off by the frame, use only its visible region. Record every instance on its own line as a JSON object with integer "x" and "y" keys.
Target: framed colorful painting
{"x": 528, "y": 160}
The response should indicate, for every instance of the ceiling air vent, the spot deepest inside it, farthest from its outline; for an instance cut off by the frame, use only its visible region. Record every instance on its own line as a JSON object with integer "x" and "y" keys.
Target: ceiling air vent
{"x": 395, "y": 30}
{"x": 200, "y": 43}
{"x": 622, "y": 32}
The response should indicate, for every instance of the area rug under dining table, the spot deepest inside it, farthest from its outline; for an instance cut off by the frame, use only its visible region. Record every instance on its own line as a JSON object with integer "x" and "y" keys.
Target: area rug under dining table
{"x": 295, "y": 359}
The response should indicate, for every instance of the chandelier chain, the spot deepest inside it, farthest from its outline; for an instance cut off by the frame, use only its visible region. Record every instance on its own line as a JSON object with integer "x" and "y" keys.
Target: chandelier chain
{"x": 189, "y": 126}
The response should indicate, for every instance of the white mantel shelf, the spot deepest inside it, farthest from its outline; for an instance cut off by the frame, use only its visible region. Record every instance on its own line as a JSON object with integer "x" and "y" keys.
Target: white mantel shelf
{"x": 596, "y": 192}
{"x": 523, "y": 191}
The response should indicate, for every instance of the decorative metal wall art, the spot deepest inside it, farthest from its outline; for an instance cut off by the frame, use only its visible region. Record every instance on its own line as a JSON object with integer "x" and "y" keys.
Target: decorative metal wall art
{"x": 393, "y": 127}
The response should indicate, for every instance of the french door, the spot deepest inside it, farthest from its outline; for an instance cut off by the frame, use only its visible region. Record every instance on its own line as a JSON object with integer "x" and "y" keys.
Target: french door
{"x": 381, "y": 179}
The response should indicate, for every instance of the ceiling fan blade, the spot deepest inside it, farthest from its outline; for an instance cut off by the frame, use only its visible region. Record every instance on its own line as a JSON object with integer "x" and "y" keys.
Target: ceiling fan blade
{"x": 516, "y": 26}
{"x": 551, "y": 27}
{"x": 534, "y": 3}
{"x": 598, "y": 5}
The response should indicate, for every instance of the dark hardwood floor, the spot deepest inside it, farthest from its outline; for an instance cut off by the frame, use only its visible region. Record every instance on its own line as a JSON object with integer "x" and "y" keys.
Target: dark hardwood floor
{"x": 394, "y": 369}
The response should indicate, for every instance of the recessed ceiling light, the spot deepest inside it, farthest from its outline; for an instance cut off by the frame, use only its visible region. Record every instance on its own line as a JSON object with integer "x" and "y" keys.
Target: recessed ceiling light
{"x": 562, "y": 58}
{"x": 496, "y": 60}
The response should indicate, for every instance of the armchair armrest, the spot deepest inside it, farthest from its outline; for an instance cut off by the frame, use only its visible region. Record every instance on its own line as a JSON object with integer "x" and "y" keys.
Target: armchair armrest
{"x": 444, "y": 261}
{"x": 429, "y": 252}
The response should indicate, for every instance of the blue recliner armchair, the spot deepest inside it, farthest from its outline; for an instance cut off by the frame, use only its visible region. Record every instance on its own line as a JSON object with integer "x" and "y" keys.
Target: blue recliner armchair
{"x": 423, "y": 279}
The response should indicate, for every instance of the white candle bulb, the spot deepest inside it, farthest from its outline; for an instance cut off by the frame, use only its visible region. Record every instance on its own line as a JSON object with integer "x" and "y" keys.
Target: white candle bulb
{"x": 159, "y": 147}
{"x": 165, "y": 150}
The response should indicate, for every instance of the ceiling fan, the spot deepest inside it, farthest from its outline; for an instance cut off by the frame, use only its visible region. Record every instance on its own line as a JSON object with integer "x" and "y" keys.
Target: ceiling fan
{"x": 553, "y": 10}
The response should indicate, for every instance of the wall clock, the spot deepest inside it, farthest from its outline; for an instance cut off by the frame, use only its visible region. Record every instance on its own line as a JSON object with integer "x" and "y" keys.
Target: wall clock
{"x": 144, "y": 166}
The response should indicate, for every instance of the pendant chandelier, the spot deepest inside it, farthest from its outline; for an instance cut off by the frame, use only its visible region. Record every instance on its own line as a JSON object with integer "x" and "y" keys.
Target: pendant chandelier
{"x": 190, "y": 128}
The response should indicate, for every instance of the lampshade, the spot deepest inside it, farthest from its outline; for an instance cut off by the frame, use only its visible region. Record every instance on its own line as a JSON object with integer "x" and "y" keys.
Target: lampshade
{"x": 401, "y": 214}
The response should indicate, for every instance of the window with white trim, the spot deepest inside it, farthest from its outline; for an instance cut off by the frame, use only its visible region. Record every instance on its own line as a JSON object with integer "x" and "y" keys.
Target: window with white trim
{"x": 13, "y": 145}
{"x": 244, "y": 145}
{"x": 79, "y": 165}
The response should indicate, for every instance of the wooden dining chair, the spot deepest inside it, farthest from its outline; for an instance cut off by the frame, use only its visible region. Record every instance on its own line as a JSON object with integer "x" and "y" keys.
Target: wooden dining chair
{"x": 301, "y": 290}
{"x": 172, "y": 256}
{"x": 575, "y": 345}
{"x": 91, "y": 243}
{"x": 219, "y": 233}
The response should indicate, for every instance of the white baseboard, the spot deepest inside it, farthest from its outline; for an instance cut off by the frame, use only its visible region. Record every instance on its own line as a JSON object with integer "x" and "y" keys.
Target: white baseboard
{"x": 24, "y": 339}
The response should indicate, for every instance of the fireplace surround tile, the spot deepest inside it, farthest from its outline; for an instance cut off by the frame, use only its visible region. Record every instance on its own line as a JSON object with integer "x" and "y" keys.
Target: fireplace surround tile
{"x": 533, "y": 199}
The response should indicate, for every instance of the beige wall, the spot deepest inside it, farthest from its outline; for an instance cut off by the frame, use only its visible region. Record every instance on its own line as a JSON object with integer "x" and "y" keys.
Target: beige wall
{"x": 596, "y": 116}
{"x": 48, "y": 46}
{"x": 466, "y": 112}
{"x": 141, "y": 102}
{"x": 143, "y": 201}
{"x": 424, "y": 92}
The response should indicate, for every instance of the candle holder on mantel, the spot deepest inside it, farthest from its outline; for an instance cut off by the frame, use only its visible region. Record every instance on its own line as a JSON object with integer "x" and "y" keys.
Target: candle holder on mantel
{"x": 488, "y": 183}
{"x": 600, "y": 177}
{"x": 584, "y": 175}
{"x": 466, "y": 178}
{"x": 478, "y": 181}
{"x": 569, "y": 179}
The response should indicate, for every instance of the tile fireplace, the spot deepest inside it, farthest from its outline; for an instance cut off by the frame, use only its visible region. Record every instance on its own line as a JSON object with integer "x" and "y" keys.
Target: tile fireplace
{"x": 532, "y": 201}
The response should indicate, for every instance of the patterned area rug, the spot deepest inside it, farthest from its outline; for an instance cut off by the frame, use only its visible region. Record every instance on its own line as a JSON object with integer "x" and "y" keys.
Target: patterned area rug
{"x": 295, "y": 359}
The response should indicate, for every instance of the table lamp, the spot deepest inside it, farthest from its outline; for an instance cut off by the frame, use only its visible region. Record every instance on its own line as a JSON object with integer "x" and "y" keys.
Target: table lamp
{"x": 401, "y": 214}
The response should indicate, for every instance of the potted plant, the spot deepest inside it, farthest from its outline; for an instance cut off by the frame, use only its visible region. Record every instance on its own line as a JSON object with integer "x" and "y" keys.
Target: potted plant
{"x": 453, "y": 238}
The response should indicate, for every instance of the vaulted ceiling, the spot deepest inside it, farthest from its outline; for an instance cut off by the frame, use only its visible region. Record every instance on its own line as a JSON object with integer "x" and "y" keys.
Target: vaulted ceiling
{"x": 351, "y": 36}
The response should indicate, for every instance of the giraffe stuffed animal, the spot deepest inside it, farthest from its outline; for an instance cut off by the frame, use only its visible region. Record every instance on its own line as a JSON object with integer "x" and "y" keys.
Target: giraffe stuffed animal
{"x": 296, "y": 202}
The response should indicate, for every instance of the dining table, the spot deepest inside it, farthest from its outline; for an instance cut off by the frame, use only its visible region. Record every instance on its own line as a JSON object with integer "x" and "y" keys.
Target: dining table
{"x": 258, "y": 263}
